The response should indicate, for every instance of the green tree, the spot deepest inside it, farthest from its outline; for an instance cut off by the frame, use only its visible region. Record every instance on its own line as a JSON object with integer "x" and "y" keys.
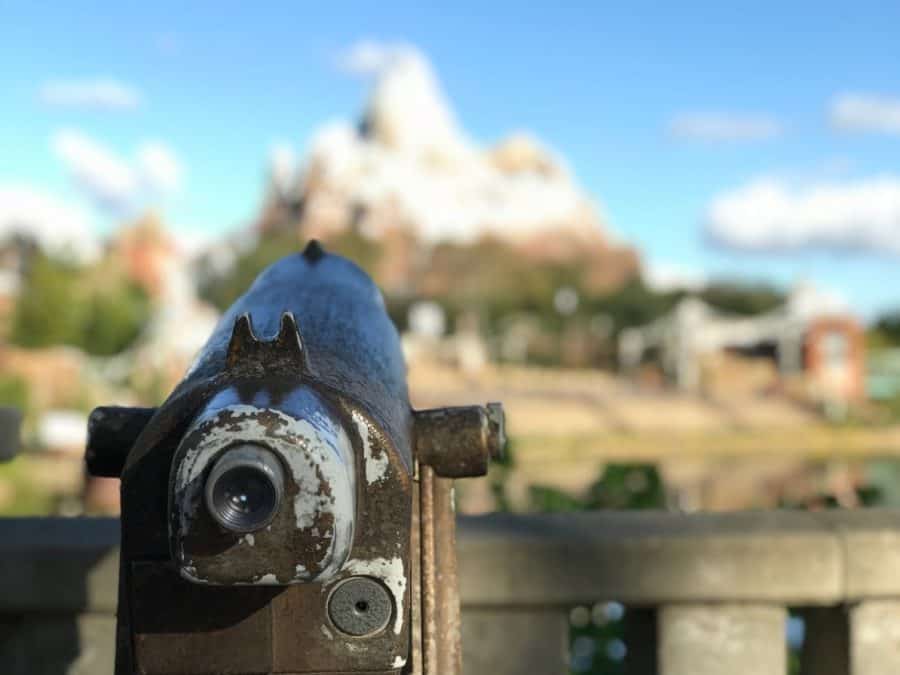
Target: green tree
{"x": 13, "y": 392}
{"x": 742, "y": 298}
{"x": 47, "y": 311}
{"x": 113, "y": 319}
{"x": 94, "y": 309}
{"x": 887, "y": 328}
{"x": 223, "y": 289}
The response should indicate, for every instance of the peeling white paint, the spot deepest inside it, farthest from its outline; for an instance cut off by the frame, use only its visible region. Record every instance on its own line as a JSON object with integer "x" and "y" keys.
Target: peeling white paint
{"x": 319, "y": 458}
{"x": 315, "y": 450}
{"x": 399, "y": 662}
{"x": 267, "y": 580}
{"x": 376, "y": 467}
{"x": 392, "y": 574}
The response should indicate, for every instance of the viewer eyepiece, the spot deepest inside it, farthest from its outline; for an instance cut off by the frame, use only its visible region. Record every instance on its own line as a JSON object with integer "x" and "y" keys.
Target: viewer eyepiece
{"x": 245, "y": 488}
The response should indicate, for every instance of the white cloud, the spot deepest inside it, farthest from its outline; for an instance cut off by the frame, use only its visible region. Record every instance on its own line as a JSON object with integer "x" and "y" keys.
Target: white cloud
{"x": 98, "y": 171}
{"x": 57, "y": 226}
{"x": 100, "y": 93}
{"x": 193, "y": 242}
{"x": 865, "y": 112}
{"x": 370, "y": 57}
{"x": 116, "y": 182}
{"x": 772, "y": 215}
{"x": 160, "y": 168}
{"x": 719, "y": 127}
{"x": 665, "y": 276}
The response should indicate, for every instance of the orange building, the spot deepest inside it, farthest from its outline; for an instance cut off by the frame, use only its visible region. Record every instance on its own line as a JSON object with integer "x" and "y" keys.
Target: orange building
{"x": 834, "y": 357}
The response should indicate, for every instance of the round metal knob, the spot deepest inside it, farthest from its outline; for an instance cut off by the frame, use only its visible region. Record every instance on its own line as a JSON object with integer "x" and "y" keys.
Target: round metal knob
{"x": 360, "y": 606}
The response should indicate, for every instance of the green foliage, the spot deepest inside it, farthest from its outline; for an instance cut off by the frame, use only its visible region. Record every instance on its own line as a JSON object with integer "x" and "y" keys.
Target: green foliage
{"x": 551, "y": 500}
{"x": 13, "y": 392}
{"x": 94, "y": 309}
{"x": 634, "y": 304}
{"x": 886, "y": 330}
{"x": 492, "y": 281}
{"x": 363, "y": 251}
{"x": 20, "y": 493}
{"x": 222, "y": 290}
{"x": 742, "y": 298}
{"x": 619, "y": 487}
{"x": 500, "y": 470}
{"x": 46, "y": 313}
{"x": 113, "y": 319}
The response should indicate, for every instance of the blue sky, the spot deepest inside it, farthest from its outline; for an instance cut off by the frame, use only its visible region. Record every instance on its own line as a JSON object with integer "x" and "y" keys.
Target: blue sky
{"x": 661, "y": 109}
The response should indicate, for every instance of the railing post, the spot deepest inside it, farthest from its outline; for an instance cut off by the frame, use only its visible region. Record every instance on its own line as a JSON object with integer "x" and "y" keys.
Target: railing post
{"x": 826, "y": 643}
{"x": 875, "y": 637}
{"x": 712, "y": 639}
{"x": 640, "y": 641}
{"x": 515, "y": 641}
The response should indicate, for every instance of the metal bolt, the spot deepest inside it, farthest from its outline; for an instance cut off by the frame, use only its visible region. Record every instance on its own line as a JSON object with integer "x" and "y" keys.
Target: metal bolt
{"x": 496, "y": 441}
{"x": 360, "y": 606}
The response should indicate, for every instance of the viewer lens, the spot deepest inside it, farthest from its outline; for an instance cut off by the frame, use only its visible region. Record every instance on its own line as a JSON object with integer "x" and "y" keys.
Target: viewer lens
{"x": 244, "y": 489}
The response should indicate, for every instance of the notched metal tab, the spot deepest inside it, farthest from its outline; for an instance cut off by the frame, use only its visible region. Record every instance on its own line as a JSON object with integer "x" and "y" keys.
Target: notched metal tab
{"x": 288, "y": 341}
{"x": 243, "y": 343}
{"x": 246, "y": 350}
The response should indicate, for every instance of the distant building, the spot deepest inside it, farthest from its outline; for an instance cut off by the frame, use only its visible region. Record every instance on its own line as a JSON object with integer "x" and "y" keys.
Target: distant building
{"x": 807, "y": 336}
{"x": 145, "y": 248}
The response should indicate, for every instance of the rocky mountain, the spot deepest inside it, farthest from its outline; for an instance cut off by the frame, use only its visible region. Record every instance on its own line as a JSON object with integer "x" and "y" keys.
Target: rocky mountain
{"x": 408, "y": 174}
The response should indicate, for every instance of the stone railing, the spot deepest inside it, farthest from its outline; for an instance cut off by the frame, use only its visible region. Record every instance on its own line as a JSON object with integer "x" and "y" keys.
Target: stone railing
{"x": 703, "y": 593}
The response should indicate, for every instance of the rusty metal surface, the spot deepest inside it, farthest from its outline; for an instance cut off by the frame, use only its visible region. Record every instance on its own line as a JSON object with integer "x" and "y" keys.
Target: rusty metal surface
{"x": 447, "y": 610}
{"x": 415, "y": 666}
{"x": 304, "y": 639}
{"x": 349, "y": 341}
{"x": 171, "y": 635}
{"x": 429, "y": 626}
{"x": 459, "y": 442}
{"x": 310, "y": 537}
{"x": 440, "y": 622}
{"x": 112, "y": 431}
{"x": 304, "y": 373}
{"x": 193, "y": 629}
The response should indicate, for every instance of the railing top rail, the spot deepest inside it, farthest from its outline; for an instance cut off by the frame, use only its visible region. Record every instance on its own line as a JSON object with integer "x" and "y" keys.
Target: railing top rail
{"x": 539, "y": 560}
{"x": 650, "y": 558}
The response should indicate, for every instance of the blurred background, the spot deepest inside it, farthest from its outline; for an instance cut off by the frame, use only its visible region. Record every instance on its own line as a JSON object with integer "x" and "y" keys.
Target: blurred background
{"x": 665, "y": 236}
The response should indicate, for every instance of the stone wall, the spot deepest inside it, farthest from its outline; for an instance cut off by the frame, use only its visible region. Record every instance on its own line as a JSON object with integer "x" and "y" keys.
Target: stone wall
{"x": 705, "y": 593}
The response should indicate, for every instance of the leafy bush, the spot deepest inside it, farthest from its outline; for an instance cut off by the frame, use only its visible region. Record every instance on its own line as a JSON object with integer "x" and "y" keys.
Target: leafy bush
{"x": 95, "y": 309}
{"x": 13, "y": 392}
